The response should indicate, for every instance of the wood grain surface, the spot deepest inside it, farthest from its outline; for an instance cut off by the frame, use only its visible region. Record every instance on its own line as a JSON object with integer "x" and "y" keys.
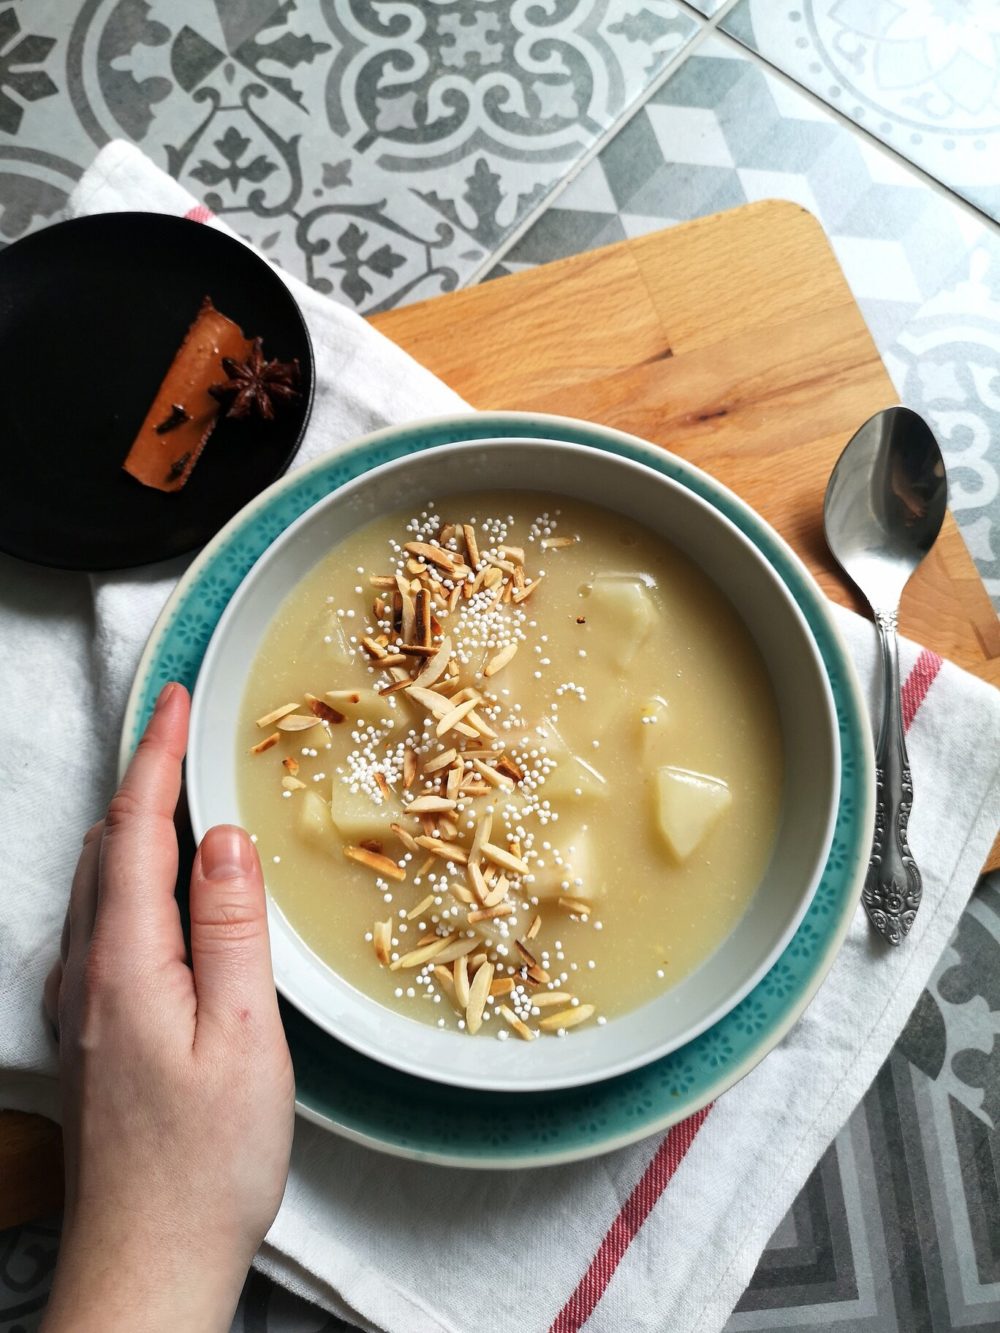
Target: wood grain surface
{"x": 733, "y": 341}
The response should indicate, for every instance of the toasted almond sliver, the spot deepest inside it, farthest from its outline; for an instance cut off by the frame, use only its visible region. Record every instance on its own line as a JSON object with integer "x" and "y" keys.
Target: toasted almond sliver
{"x": 492, "y": 576}
{"x": 395, "y": 687}
{"x": 477, "y": 881}
{"x": 460, "y": 892}
{"x": 428, "y": 805}
{"x": 471, "y": 545}
{"x": 435, "y": 703}
{"x": 417, "y": 650}
{"x": 453, "y": 782}
{"x": 266, "y": 743}
{"x": 443, "y": 559}
{"x": 291, "y": 764}
{"x": 406, "y": 838}
{"x": 447, "y": 828}
{"x": 409, "y": 767}
{"x": 436, "y": 665}
{"x": 269, "y": 718}
{"x": 427, "y": 866}
{"x": 515, "y": 553}
{"x": 478, "y": 991}
{"x": 481, "y": 725}
{"x": 458, "y": 949}
{"x": 566, "y": 1018}
{"x": 323, "y": 710}
{"x": 491, "y": 775}
{"x": 382, "y": 865}
{"x": 447, "y": 983}
{"x": 441, "y": 760}
{"x": 501, "y": 659}
{"x": 292, "y": 784}
{"x": 556, "y": 543}
{"x": 477, "y": 959}
{"x": 297, "y": 722}
{"x": 420, "y": 908}
{"x": 538, "y": 976}
{"x": 489, "y": 913}
{"x": 481, "y": 837}
{"x": 383, "y": 785}
{"x": 382, "y": 940}
{"x": 447, "y": 851}
{"x": 423, "y": 617}
{"x": 372, "y": 648}
{"x": 534, "y": 928}
{"x": 512, "y": 1020}
{"x": 417, "y": 957}
{"x": 455, "y": 715}
{"x": 526, "y": 953}
{"x": 475, "y": 789}
{"x": 408, "y": 622}
{"x": 507, "y": 765}
{"x": 460, "y": 972}
{"x": 383, "y": 581}
{"x": 545, "y": 999}
{"x": 577, "y": 905}
{"x": 498, "y": 562}
{"x": 523, "y": 594}
{"x": 502, "y": 986}
{"x": 501, "y": 857}
{"x": 498, "y": 893}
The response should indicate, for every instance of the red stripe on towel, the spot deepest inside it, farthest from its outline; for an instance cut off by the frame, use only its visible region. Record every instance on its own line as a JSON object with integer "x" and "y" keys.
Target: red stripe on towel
{"x": 671, "y": 1152}
{"x": 623, "y": 1229}
{"x": 917, "y": 683}
{"x": 199, "y": 214}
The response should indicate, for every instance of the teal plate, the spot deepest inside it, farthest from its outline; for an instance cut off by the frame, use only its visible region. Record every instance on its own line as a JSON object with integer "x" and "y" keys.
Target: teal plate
{"x": 415, "y": 1118}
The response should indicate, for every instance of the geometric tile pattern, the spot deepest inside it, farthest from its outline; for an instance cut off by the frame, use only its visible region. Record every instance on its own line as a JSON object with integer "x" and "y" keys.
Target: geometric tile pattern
{"x": 384, "y": 161}
{"x": 922, "y": 77}
{"x": 723, "y": 130}
{"x": 379, "y": 157}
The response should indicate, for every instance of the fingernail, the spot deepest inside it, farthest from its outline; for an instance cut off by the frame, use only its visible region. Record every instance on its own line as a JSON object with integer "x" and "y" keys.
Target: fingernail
{"x": 165, "y": 694}
{"x": 226, "y": 851}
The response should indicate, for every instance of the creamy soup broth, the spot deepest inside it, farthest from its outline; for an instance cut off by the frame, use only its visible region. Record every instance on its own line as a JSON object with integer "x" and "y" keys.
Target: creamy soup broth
{"x": 638, "y": 729}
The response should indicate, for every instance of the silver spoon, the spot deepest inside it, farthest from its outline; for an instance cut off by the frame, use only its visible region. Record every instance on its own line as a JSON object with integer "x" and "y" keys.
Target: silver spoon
{"x": 884, "y": 507}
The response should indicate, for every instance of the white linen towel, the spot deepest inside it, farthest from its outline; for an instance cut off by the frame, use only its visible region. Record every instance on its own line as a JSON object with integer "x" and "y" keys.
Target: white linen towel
{"x": 660, "y": 1236}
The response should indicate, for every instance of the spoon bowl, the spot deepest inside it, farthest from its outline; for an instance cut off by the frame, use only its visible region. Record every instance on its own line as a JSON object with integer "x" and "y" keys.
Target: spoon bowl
{"x": 885, "y": 503}
{"x": 884, "y": 507}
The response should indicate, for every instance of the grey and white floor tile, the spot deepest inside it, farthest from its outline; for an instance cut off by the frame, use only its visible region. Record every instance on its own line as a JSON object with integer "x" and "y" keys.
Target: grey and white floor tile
{"x": 922, "y": 75}
{"x": 723, "y": 130}
{"x": 388, "y": 160}
{"x": 379, "y": 157}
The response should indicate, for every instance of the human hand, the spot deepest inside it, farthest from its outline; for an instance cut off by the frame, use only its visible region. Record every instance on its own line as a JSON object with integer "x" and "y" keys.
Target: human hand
{"x": 176, "y": 1082}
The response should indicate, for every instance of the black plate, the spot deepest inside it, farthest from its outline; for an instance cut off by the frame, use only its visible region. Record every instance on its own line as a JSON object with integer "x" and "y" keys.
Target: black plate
{"x": 91, "y": 314}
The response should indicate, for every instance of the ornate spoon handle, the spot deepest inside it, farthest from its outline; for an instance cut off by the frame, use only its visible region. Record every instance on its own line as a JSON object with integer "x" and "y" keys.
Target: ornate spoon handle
{"x": 893, "y": 887}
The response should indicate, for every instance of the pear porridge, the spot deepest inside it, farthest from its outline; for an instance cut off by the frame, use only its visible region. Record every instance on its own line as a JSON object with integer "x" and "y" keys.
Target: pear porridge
{"x": 512, "y": 763}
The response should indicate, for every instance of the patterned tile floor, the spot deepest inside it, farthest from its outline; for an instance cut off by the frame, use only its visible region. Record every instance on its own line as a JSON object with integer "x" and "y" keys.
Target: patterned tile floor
{"x": 387, "y": 157}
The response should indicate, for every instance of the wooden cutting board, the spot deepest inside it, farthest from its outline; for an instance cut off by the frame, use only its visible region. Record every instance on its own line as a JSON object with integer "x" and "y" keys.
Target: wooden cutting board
{"x": 733, "y": 341}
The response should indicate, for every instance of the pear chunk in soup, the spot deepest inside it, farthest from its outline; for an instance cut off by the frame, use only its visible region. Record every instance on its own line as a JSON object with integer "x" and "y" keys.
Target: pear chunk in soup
{"x": 620, "y": 608}
{"x": 572, "y": 776}
{"x": 313, "y": 823}
{"x": 688, "y": 805}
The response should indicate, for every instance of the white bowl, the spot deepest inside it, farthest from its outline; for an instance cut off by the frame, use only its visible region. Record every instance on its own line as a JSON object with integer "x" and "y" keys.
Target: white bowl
{"x": 805, "y": 704}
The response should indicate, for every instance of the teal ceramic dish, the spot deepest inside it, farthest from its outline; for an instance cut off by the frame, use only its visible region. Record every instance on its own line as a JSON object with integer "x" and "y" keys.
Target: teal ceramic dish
{"x": 411, "y": 1117}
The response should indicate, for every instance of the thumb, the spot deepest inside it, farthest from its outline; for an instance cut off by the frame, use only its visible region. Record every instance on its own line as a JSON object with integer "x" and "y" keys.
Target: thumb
{"x": 230, "y": 949}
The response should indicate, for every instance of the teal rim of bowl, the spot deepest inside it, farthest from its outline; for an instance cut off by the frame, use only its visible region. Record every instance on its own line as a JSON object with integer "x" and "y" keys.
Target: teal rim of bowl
{"x": 416, "y": 1118}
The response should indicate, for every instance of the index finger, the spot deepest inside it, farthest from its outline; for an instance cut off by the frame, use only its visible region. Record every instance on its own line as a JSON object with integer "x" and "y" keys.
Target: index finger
{"x": 139, "y": 846}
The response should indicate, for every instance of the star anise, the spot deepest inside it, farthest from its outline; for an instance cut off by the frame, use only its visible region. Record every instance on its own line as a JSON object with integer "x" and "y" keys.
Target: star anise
{"x": 256, "y": 385}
